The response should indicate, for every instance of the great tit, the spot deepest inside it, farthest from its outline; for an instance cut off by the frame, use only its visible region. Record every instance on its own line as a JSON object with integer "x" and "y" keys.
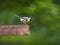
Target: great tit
{"x": 24, "y": 20}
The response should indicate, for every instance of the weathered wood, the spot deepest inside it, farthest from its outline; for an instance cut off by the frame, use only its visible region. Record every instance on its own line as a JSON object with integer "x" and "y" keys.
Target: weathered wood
{"x": 14, "y": 30}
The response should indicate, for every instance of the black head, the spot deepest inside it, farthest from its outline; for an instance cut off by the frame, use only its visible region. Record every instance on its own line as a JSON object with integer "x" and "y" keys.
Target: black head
{"x": 31, "y": 18}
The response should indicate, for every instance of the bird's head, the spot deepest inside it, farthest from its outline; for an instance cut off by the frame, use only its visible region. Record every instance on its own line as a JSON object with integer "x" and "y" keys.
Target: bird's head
{"x": 30, "y": 18}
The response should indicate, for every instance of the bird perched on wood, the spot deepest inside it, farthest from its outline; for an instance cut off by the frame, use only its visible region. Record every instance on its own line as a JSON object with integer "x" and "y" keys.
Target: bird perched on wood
{"x": 24, "y": 20}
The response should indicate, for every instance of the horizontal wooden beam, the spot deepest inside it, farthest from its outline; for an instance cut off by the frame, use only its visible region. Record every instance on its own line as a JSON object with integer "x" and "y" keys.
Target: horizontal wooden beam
{"x": 14, "y": 30}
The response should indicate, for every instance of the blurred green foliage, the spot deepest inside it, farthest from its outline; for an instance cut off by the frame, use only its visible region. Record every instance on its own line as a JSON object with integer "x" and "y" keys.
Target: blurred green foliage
{"x": 45, "y": 25}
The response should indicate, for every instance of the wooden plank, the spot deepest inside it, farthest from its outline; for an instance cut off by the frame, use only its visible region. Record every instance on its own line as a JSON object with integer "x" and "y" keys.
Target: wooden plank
{"x": 14, "y": 30}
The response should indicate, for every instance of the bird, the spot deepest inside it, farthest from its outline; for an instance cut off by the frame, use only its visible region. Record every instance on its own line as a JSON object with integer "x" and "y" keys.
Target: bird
{"x": 24, "y": 20}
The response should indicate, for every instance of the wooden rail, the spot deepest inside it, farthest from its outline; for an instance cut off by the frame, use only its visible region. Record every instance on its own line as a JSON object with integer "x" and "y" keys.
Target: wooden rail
{"x": 14, "y": 30}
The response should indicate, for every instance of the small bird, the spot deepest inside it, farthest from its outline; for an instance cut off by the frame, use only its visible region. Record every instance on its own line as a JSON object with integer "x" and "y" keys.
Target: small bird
{"x": 25, "y": 20}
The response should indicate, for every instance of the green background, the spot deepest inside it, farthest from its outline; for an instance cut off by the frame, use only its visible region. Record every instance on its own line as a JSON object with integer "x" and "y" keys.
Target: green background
{"x": 45, "y": 24}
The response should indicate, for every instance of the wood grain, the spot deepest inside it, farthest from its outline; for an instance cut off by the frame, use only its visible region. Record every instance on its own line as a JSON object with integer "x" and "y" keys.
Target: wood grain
{"x": 14, "y": 30}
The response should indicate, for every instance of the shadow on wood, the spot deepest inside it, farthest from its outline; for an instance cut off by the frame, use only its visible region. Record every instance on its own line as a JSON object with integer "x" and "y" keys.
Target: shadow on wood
{"x": 14, "y": 30}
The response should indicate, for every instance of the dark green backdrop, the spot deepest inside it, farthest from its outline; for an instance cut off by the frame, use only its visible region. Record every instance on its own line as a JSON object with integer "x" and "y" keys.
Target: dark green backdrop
{"x": 45, "y": 24}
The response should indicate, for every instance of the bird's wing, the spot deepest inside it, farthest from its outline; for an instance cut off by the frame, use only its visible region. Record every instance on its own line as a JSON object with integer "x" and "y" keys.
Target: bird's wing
{"x": 25, "y": 17}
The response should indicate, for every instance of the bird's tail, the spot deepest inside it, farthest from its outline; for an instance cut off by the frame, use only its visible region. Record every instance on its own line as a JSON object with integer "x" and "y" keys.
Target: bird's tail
{"x": 17, "y": 16}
